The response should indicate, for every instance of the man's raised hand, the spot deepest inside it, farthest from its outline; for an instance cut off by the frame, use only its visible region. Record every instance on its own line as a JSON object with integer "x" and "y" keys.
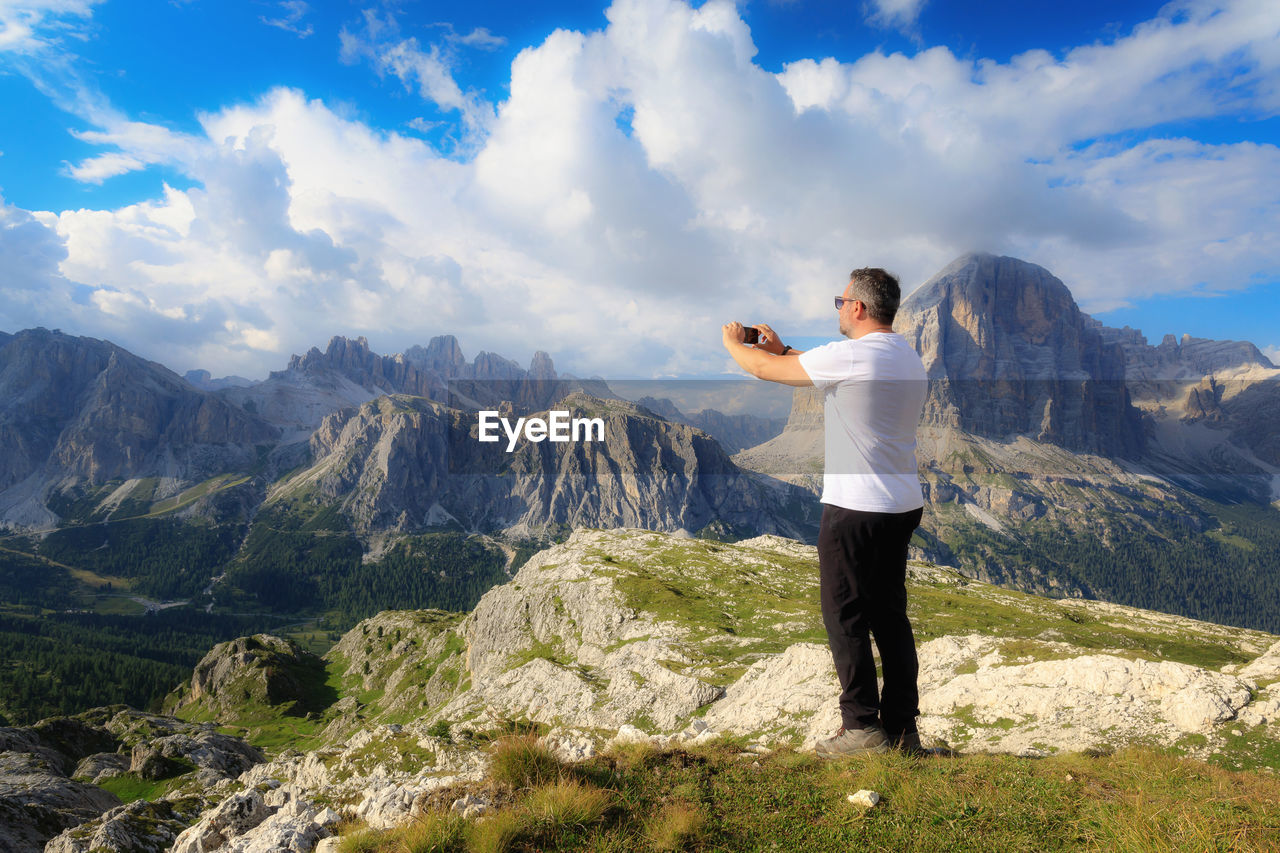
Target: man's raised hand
{"x": 733, "y": 333}
{"x": 769, "y": 340}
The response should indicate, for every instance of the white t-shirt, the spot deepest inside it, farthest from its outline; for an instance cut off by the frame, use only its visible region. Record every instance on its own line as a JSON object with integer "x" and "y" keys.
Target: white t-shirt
{"x": 874, "y": 390}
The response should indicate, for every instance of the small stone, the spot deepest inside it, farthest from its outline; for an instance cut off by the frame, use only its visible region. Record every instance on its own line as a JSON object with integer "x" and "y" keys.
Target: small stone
{"x": 327, "y": 817}
{"x": 865, "y": 799}
{"x": 470, "y": 807}
{"x": 630, "y": 734}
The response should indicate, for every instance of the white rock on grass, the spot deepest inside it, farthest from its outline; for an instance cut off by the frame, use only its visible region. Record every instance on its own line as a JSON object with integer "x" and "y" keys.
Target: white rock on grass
{"x": 469, "y": 806}
{"x": 865, "y": 799}
{"x": 282, "y": 832}
{"x": 570, "y": 745}
{"x": 1265, "y": 711}
{"x": 629, "y": 734}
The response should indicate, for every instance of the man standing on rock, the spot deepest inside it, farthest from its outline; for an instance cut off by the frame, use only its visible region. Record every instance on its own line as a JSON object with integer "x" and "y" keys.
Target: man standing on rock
{"x": 874, "y": 389}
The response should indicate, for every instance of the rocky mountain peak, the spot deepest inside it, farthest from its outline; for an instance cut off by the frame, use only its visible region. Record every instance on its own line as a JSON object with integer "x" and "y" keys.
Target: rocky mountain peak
{"x": 261, "y": 669}
{"x": 1012, "y": 354}
{"x": 205, "y": 381}
{"x": 441, "y": 354}
{"x": 985, "y": 316}
{"x": 541, "y": 366}
{"x": 341, "y": 353}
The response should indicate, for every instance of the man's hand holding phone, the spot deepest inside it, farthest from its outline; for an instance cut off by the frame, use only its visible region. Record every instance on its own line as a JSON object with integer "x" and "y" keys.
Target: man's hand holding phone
{"x": 761, "y": 336}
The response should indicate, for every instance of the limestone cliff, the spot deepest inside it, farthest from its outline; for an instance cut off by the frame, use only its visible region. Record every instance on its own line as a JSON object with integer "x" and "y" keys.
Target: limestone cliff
{"x": 1009, "y": 353}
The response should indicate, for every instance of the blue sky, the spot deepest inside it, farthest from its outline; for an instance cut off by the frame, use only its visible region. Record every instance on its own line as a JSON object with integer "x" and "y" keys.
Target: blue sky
{"x": 219, "y": 185}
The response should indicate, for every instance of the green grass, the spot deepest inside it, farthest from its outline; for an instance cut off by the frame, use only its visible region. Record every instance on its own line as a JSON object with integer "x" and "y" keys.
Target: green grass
{"x": 117, "y": 605}
{"x": 193, "y": 494}
{"x": 712, "y": 798}
{"x": 130, "y": 787}
{"x": 941, "y": 610}
{"x": 731, "y": 608}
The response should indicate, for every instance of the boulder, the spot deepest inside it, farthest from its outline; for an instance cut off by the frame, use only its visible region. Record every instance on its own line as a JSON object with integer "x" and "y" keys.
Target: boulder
{"x": 38, "y": 802}
{"x": 230, "y": 819}
{"x": 101, "y": 765}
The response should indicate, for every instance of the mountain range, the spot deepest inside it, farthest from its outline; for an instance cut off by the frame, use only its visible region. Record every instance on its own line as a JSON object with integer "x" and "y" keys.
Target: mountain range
{"x": 1057, "y": 455}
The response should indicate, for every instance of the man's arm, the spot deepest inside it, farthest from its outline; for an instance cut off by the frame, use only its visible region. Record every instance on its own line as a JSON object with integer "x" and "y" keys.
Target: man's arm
{"x": 762, "y": 364}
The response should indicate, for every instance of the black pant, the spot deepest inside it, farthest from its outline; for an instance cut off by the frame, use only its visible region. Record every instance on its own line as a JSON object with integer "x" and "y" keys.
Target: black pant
{"x": 862, "y": 562}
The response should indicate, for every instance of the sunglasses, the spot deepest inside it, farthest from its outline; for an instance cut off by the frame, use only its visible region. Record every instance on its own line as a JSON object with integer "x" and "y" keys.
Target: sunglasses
{"x": 841, "y": 300}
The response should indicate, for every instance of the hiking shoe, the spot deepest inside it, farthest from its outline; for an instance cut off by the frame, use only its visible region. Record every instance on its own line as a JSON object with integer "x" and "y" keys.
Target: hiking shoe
{"x": 909, "y": 743}
{"x": 853, "y": 742}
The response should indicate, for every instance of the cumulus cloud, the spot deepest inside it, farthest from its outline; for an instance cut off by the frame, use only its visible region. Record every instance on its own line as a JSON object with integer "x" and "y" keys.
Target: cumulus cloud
{"x": 648, "y": 181}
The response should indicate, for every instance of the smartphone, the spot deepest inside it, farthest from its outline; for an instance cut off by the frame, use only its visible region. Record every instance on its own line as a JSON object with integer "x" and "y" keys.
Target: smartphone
{"x": 753, "y": 335}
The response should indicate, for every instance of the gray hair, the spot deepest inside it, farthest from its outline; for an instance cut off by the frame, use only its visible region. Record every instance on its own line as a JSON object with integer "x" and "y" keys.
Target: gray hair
{"x": 878, "y": 290}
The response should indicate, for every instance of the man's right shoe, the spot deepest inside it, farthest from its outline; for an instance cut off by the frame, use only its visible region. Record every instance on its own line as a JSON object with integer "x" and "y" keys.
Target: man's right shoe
{"x": 853, "y": 742}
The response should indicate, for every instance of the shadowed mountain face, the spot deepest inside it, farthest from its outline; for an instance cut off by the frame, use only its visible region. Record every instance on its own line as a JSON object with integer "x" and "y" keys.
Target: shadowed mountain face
{"x": 83, "y": 411}
{"x": 1009, "y": 353}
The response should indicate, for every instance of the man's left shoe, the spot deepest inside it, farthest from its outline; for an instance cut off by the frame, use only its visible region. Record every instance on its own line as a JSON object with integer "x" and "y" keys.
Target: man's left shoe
{"x": 909, "y": 743}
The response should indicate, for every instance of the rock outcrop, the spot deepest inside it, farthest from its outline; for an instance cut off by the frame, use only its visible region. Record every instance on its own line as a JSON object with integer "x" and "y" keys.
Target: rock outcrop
{"x": 137, "y": 827}
{"x": 37, "y": 802}
{"x": 49, "y": 774}
{"x": 258, "y": 670}
{"x": 677, "y": 638}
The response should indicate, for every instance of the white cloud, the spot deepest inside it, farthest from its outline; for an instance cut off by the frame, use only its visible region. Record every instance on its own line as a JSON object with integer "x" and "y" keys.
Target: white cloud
{"x": 644, "y": 183}
{"x": 429, "y": 70}
{"x": 480, "y": 37}
{"x": 1272, "y": 353}
{"x": 28, "y": 26}
{"x": 291, "y": 19}
{"x": 139, "y": 145}
{"x": 896, "y": 14}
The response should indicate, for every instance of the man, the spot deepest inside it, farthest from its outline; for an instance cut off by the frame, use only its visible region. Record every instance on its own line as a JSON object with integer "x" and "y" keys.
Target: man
{"x": 874, "y": 388}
